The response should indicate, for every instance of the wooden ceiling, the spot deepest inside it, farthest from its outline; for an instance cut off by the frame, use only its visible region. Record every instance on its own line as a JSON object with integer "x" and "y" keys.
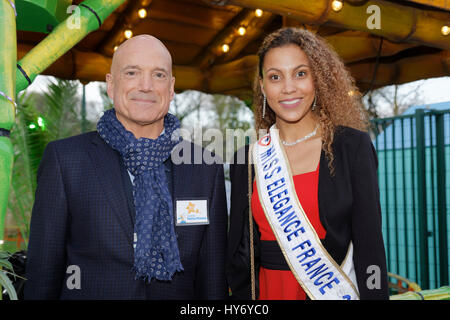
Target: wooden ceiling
{"x": 194, "y": 31}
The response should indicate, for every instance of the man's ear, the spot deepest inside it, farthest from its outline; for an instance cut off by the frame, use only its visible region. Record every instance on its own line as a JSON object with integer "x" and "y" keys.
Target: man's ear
{"x": 110, "y": 85}
{"x": 172, "y": 88}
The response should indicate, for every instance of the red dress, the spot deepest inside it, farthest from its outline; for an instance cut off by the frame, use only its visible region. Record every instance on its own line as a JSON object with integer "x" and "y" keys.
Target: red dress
{"x": 281, "y": 284}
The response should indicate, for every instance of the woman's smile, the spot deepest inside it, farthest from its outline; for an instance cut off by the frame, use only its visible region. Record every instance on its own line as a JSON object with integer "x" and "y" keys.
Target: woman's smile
{"x": 291, "y": 103}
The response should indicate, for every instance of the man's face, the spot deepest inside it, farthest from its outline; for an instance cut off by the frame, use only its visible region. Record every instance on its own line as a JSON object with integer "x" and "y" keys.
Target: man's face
{"x": 141, "y": 83}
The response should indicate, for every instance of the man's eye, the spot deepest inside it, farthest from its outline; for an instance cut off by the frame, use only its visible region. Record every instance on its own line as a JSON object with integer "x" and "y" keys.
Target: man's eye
{"x": 160, "y": 75}
{"x": 130, "y": 73}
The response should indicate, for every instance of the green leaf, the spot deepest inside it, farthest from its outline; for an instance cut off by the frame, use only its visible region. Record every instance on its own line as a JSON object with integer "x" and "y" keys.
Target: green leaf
{"x": 7, "y": 284}
{"x": 6, "y": 264}
{"x": 4, "y": 255}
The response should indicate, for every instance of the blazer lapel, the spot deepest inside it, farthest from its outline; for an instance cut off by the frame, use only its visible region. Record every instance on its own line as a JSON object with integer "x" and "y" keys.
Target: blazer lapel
{"x": 181, "y": 174}
{"x": 107, "y": 165}
{"x": 181, "y": 177}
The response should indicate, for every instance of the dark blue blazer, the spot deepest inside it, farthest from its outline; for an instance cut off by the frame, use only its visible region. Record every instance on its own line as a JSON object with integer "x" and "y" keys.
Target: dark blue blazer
{"x": 83, "y": 215}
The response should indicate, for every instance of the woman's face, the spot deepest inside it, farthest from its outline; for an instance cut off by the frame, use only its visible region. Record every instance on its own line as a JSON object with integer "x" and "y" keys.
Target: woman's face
{"x": 288, "y": 83}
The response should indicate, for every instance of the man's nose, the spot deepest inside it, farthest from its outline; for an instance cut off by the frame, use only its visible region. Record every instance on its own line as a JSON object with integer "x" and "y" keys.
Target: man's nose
{"x": 146, "y": 83}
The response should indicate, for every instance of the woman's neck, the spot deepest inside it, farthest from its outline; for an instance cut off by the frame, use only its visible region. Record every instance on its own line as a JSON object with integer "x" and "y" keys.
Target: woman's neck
{"x": 292, "y": 131}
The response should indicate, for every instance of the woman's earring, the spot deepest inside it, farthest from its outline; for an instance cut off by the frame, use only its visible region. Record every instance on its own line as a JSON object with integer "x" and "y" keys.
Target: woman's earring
{"x": 264, "y": 106}
{"x": 314, "y": 104}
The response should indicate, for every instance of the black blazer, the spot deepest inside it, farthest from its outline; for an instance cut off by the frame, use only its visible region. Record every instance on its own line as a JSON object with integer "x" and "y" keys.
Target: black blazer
{"x": 349, "y": 209}
{"x": 83, "y": 215}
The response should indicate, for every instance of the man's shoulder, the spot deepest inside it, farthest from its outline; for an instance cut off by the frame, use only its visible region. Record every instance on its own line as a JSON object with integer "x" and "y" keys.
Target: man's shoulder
{"x": 76, "y": 141}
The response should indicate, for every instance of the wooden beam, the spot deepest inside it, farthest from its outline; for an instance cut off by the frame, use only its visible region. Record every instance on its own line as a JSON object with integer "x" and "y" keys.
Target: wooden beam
{"x": 237, "y": 76}
{"x": 128, "y": 18}
{"x": 171, "y": 30}
{"x": 289, "y": 22}
{"x": 402, "y": 71}
{"x": 355, "y": 46}
{"x": 232, "y": 75}
{"x": 399, "y": 23}
{"x": 90, "y": 66}
{"x": 226, "y": 36}
{"x": 74, "y": 64}
{"x": 215, "y": 18}
{"x": 255, "y": 28}
{"x": 442, "y": 4}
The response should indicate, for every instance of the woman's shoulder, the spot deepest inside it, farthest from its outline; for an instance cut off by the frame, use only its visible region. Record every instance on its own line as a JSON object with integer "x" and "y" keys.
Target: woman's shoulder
{"x": 350, "y": 135}
{"x": 350, "y": 140}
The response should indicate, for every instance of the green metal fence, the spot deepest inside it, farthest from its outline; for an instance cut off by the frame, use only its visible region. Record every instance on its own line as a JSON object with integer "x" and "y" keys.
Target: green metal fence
{"x": 414, "y": 177}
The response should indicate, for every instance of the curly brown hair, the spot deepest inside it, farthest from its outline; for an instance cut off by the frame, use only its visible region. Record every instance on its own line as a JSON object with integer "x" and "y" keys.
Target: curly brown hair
{"x": 338, "y": 101}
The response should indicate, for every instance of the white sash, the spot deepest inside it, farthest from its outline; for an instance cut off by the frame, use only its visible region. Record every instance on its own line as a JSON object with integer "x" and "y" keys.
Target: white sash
{"x": 315, "y": 270}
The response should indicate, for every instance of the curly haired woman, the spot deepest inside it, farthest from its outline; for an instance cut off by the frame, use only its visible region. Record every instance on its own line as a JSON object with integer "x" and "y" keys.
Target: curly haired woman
{"x": 310, "y": 188}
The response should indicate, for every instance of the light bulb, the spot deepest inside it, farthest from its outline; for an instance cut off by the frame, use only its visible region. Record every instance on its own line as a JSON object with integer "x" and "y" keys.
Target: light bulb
{"x": 336, "y": 5}
{"x": 142, "y": 13}
{"x": 225, "y": 48}
{"x": 128, "y": 33}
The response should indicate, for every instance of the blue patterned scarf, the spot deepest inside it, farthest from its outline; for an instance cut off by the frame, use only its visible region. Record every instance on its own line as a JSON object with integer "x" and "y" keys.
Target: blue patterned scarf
{"x": 156, "y": 254}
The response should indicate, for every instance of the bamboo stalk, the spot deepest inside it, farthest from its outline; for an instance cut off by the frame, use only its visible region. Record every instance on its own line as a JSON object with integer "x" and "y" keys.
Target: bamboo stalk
{"x": 442, "y": 293}
{"x": 63, "y": 37}
{"x": 7, "y": 108}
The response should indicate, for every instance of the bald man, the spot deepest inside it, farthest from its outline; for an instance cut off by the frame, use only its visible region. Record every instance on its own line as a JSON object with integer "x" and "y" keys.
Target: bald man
{"x": 114, "y": 217}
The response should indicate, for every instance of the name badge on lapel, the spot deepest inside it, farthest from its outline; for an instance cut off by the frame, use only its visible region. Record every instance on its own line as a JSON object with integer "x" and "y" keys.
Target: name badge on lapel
{"x": 192, "y": 212}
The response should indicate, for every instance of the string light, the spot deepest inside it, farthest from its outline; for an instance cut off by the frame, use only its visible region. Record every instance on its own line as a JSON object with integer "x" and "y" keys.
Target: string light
{"x": 128, "y": 33}
{"x": 336, "y": 5}
{"x": 242, "y": 31}
{"x": 258, "y": 13}
{"x": 115, "y": 48}
{"x": 445, "y": 30}
{"x": 142, "y": 13}
{"x": 225, "y": 48}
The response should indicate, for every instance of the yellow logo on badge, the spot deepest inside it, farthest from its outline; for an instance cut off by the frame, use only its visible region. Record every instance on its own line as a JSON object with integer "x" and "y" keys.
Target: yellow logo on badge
{"x": 191, "y": 208}
{"x": 191, "y": 212}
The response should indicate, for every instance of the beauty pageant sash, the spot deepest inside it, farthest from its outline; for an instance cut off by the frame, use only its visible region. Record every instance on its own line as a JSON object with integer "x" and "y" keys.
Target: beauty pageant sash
{"x": 315, "y": 270}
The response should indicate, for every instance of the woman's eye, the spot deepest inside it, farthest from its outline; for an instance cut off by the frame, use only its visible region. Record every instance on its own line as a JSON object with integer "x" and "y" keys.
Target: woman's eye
{"x": 301, "y": 73}
{"x": 274, "y": 77}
